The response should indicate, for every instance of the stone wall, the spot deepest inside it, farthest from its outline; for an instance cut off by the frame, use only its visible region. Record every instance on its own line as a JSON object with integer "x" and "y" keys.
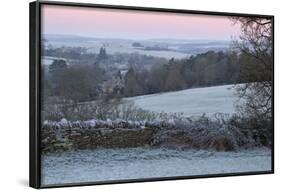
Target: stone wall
{"x": 65, "y": 135}
{"x": 58, "y": 136}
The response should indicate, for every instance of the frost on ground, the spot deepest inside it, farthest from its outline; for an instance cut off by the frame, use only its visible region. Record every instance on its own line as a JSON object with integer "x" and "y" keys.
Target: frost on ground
{"x": 169, "y": 151}
{"x": 191, "y": 102}
{"x": 136, "y": 163}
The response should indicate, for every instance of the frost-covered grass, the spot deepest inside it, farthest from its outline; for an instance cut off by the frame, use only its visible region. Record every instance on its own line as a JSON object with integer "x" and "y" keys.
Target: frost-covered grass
{"x": 135, "y": 163}
{"x": 195, "y": 102}
{"x": 181, "y": 159}
{"x": 191, "y": 102}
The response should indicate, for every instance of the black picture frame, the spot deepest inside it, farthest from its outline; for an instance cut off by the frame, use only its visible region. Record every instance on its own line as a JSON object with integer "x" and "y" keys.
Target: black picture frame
{"x": 35, "y": 95}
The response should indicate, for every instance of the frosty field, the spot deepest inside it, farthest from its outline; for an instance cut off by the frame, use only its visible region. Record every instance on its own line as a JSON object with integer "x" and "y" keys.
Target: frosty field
{"x": 135, "y": 163}
{"x": 191, "y": 102}
{"x": 103, "y": 164}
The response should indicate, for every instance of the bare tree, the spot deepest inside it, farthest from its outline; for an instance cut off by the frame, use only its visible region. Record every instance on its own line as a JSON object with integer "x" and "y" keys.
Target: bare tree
{"x": 255, "y": 45}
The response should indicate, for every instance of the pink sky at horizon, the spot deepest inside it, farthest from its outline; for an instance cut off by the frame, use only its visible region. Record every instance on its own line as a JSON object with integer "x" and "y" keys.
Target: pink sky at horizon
{"x": 129, "y": 24}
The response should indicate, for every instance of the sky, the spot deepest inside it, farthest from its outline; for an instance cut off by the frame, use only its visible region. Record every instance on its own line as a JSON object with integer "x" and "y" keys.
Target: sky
{"x": 128, "y": 24}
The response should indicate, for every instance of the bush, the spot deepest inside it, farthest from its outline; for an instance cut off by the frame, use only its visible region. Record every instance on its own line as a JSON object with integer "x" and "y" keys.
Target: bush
{"x": 113, "y": 109}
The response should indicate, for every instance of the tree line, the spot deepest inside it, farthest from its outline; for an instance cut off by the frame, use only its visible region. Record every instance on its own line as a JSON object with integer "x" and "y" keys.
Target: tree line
{"x": 202, "y": 70}
{"x": 84, "y": 82}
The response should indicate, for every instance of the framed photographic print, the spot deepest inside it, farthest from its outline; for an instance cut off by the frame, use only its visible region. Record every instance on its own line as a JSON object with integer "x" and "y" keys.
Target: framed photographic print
{"x": 131, "y": 94}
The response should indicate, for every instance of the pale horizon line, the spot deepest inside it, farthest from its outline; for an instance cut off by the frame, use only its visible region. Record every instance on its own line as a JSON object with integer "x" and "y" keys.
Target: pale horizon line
{"x": 135, "y": 39}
